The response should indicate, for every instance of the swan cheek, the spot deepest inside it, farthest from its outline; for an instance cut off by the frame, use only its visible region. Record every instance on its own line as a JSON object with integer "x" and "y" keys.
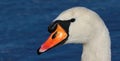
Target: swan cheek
{"x": 55, "y": 38}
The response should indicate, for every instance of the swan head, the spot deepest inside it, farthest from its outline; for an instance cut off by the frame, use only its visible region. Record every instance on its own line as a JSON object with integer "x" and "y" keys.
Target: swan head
{"x": 75, "y": 25}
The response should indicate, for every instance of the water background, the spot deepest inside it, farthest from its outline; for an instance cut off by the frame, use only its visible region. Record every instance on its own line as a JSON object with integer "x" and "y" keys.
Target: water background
{"x": 23, "y": 28}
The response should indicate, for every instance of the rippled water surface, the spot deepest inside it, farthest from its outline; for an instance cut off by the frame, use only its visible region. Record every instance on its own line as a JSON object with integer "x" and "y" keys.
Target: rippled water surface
{"x": 23, "y": 28}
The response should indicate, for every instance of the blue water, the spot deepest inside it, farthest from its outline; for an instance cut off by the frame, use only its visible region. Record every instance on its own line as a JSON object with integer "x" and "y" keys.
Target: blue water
{"x": 23, "y": 28}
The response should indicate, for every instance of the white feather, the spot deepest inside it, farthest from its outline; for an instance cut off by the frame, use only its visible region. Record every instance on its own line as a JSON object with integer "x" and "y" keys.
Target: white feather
{"x": 89, "y": 30}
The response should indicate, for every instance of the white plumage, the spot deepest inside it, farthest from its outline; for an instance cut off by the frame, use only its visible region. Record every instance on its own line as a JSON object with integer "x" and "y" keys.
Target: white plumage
{"x": 89, "y": 30}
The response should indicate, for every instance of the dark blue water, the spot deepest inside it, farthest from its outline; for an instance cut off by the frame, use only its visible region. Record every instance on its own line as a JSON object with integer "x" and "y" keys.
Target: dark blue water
{"x": 23, "y": 28}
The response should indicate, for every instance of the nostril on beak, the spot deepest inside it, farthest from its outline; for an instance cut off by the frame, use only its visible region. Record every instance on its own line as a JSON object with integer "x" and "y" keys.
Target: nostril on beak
{"x": 54, "y": 35}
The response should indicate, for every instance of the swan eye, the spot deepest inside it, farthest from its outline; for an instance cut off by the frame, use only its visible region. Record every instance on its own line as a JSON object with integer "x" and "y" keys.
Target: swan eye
{"x": 72, "y": 20}
{"x": 65, "y": 24}
{"x": 54, "y": 35}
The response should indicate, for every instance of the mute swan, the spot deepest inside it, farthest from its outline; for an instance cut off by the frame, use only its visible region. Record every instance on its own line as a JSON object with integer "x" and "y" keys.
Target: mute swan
{"x": 84, "y": 26}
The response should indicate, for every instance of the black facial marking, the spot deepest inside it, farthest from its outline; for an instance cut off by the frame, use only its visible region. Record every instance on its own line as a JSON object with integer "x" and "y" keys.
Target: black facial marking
{"x": 64, "y": 24}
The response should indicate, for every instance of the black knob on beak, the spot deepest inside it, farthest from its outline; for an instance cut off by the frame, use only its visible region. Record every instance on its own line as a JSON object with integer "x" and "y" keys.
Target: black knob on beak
{"x": 52, "y": 27}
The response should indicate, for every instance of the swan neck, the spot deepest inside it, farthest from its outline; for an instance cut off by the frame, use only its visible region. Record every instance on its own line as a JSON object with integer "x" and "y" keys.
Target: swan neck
{"x": 98, "y": 49}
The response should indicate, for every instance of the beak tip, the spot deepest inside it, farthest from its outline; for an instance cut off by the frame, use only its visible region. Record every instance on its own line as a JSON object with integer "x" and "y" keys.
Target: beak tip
{"x": 38, "y": 52}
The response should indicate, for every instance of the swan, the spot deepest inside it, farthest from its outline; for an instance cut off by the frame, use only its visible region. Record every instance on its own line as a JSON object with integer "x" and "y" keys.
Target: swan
{"x": 84, "y": 26}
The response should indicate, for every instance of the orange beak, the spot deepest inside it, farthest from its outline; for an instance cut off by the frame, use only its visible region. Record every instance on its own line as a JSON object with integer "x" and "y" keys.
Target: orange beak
{"x": 55, "y": 38}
